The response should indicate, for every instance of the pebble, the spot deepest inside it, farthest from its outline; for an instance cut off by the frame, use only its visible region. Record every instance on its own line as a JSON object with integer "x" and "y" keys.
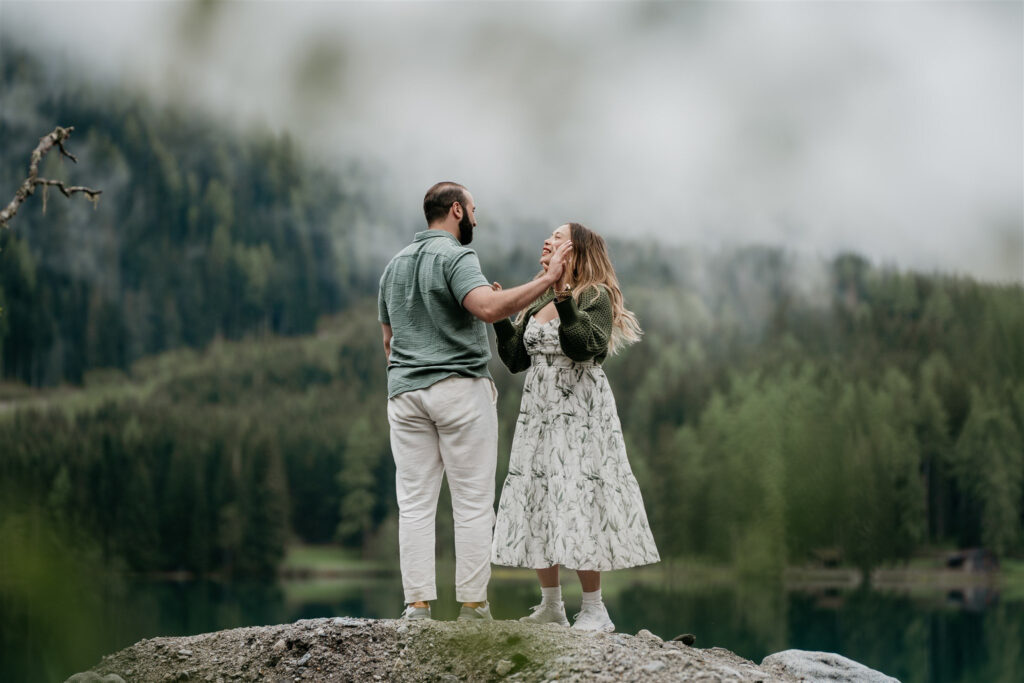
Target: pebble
{"x": 651, "y": 667}
{"x": 647, "y": 635}
{"x": 686, "y": 638}
{"x": 303, "y": 660}
{"x": 279, "y": 645}
{"x": 348, "y": 621}
{"x": 503, "y": 667}
{"x": 185, "y": 653}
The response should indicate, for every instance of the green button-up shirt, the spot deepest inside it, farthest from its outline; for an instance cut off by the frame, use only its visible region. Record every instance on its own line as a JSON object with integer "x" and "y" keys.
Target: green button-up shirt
{"x": 421, "y": 295}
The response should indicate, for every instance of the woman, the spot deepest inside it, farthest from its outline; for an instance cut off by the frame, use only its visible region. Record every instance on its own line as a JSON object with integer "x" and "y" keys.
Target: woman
{"x": 570, "y": 499}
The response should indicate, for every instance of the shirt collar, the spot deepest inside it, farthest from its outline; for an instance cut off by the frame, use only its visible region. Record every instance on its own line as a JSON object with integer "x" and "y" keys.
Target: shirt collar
{"x": 431, "y": 233}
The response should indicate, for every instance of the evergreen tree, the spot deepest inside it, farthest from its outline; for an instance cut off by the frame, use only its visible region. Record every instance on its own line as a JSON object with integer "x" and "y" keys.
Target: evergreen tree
{"x": 363, "y": 448}
{"x": 990, "y": 467}
{"x": 263, "y": 507}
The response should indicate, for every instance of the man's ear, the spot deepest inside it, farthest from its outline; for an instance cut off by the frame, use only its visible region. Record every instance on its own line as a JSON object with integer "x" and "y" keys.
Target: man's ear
{"x": 457, "y": 210}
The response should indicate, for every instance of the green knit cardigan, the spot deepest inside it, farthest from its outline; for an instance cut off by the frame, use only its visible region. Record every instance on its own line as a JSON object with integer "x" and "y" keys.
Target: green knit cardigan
{"x": 584, "y": 328}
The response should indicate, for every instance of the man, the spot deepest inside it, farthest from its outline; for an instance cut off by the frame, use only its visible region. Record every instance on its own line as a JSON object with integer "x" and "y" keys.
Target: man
{"x": 433, "y": 306}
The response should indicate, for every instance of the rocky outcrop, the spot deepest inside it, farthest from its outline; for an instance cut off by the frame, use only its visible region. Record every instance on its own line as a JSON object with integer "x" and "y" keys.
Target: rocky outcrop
{"x": 821, "y": 666}
{"x": 346, "y": 649}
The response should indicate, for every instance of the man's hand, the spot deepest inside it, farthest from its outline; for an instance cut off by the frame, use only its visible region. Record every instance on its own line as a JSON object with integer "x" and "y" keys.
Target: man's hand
{"x": 492, "y": 303}
{"x": 557, "y": 264}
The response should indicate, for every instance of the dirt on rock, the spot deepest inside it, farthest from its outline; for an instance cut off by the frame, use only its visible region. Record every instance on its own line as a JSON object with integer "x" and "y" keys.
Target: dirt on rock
{"x": 346, "y": 649}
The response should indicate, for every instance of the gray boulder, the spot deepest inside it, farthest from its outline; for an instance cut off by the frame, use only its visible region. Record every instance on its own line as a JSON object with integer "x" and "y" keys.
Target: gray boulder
{"x": 90, "y": 677}
{"x": 821, "y": 666}
{"x": 399, "y": 651}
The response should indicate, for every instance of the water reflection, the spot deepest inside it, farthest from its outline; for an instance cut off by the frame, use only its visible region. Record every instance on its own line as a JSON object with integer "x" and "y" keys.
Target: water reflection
{"x": 935, "y": 636}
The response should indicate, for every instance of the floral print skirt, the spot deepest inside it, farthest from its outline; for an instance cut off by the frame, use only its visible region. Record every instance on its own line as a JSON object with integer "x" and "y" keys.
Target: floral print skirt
{"x": 570, "y": 497}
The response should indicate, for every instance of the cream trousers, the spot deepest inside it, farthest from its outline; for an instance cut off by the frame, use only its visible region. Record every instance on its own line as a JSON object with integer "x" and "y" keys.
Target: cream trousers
{"x": 450, "y": 427}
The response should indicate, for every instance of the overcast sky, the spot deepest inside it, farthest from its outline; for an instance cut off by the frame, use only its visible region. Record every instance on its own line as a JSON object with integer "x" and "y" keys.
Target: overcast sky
{"x": 890, "y": 128}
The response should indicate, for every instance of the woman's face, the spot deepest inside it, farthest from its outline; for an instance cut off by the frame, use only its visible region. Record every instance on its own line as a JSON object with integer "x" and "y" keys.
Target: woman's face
{"x": 561, "y": 234}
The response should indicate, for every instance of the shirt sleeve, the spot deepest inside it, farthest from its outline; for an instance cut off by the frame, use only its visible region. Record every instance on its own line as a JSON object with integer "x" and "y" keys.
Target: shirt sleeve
{"x": 464, "y": 274}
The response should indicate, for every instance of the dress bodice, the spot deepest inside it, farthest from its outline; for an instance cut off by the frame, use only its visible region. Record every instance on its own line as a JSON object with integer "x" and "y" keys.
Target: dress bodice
{"x": 541, "y": 339}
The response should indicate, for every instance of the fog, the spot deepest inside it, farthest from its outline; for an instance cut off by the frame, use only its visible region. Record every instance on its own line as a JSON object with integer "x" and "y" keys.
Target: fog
{"x": 891, "y": 129}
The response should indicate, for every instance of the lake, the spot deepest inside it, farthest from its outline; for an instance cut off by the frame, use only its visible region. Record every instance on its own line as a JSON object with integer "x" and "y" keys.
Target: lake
{"x": 925, "y": 634}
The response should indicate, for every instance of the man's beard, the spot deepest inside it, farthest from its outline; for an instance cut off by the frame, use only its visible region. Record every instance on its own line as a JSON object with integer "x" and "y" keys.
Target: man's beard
{"x": 465, "y": 230}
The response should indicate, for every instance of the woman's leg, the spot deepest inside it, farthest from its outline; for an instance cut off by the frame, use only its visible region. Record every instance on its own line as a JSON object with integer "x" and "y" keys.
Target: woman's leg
{"x": 590, "y": 580}
{"x": 551, "y": 609}
{"x": 593, "y": 614}
{"x": 548, "y": 577}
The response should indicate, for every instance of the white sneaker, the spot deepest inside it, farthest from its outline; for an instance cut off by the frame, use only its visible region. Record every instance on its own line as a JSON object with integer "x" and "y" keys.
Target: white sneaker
{"x": 547, "y": 613}
{"x": 482, "y": 613}
{"x": 416, "y": 613}
{"x": 593, "y": 617}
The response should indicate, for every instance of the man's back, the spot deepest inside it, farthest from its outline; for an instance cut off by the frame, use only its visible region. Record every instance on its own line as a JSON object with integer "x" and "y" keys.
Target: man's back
{"x": 421, "y": 293}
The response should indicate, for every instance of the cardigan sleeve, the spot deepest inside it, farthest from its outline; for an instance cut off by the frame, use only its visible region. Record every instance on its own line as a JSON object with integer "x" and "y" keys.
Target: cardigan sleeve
{"x": 511, "y": 347}
{"x": 586, "y": 327}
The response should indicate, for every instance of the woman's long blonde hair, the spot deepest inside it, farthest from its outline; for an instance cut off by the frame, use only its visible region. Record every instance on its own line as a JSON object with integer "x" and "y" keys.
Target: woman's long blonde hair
{"x": 590, "y": 267}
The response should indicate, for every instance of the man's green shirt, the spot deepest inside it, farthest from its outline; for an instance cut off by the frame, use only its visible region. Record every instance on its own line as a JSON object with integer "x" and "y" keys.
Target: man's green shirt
{"x": 421, "y": 295}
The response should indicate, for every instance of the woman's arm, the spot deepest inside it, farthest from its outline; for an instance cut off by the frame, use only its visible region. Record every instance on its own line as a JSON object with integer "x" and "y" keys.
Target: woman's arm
{"x": 511, "y": 347}
{"x": 585, "y": 328}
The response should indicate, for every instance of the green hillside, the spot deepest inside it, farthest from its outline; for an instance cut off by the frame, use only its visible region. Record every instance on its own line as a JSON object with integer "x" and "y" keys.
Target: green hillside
{"x": 172, "y": 405}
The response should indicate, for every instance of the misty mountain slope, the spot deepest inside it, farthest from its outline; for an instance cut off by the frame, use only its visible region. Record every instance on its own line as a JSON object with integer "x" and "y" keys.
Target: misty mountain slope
{"x": 767, "y": 377}
{"x": 205, "y": 231}
{"x": 201, "y": 231}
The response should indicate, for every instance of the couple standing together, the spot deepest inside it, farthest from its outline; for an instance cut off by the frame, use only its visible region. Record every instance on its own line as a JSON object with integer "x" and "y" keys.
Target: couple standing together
{"x": 570, "y": 499}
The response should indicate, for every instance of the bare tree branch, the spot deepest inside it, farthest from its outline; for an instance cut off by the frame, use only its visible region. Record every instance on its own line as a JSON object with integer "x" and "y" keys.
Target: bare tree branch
{"x": 28, "y": 187}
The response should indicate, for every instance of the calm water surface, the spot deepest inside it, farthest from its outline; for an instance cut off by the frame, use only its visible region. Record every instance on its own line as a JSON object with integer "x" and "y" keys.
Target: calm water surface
{"x": 935, "y": 636}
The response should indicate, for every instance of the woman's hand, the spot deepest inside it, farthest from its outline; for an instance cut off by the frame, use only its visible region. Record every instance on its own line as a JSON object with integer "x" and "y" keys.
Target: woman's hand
{"x": 496, "y": 287}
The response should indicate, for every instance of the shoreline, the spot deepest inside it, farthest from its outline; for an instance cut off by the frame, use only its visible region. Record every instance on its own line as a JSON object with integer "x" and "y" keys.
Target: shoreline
{"x": 792, "y": 579}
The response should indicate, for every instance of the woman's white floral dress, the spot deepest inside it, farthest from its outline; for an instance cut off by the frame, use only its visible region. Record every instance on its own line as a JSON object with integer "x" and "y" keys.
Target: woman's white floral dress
{"x": 570, "y": 497}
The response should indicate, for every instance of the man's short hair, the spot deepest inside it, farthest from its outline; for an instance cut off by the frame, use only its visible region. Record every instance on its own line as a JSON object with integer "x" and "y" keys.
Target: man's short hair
{"x": 439, "y": 200}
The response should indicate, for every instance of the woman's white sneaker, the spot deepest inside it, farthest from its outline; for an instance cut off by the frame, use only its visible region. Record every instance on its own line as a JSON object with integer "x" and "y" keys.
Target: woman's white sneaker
{"x": 547, "y": 613}
{"x": 593, "y": 616}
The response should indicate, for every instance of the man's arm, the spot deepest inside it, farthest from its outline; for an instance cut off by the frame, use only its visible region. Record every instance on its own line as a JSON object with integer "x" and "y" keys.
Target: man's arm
{"x": 386, "y": 331}
{"x": 492, "y": 305}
